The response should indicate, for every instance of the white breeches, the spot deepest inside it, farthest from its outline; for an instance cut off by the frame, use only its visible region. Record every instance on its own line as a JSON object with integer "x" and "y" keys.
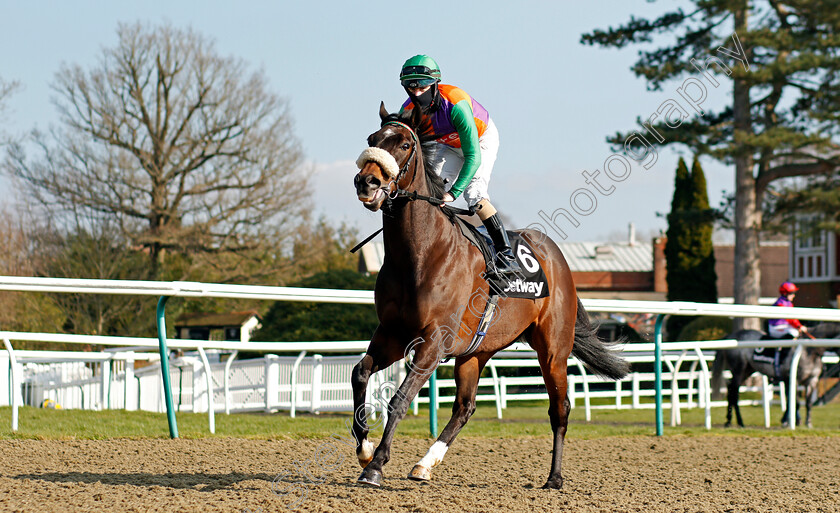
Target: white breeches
{"x": 781, "y": 330}
{"x": 447, "y": 162}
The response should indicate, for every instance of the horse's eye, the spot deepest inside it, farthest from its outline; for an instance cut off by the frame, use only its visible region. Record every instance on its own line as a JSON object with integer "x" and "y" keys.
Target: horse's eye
{"x": 406, "y": 146}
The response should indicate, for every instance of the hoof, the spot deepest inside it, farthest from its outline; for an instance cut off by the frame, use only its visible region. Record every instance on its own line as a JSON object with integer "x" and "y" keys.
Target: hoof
{"x": 370, "y": 477}
{"x": 420, "y": 473}
{"x": 553, "y": 484}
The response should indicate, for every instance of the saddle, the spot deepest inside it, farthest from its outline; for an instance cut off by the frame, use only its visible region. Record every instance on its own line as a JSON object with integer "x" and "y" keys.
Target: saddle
{"x": 771, "y": 355}
{"x": 531, "y": 284}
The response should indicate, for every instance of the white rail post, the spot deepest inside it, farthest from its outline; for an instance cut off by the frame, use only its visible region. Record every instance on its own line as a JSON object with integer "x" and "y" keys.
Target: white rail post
{"x": 105, "y": 395}
{"x": 317, "y": 381}
{"x": 792, "y": 392}
{"x": 131, "y": 388}
{"x": 676, "y": 413}
{"x": 503, "y": 390}
{"x": 705, "y": 388}
{"x": 587, "y": 405}
{"x": 617, "y": 394}
{"x": 272, "y": 382}
{"x": 766, "y": 397}
{"x": 196, "y": 383}
{"x": 293, "y": 383}
{"x": 637, "y": 388}
{"x": 229, "y": 361}
{"x": 496, "y": 391}
{"x": 208, "y": 377}
{"x": 14, "y": 386}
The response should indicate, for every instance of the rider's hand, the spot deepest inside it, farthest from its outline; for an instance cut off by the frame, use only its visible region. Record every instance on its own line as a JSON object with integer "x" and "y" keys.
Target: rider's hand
{"x": 803, "y": 329}
{"x": 448, "y": 198}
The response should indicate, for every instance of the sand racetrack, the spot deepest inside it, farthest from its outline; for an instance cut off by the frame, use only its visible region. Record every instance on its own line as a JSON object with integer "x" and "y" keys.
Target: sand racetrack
{"x": 646, "y": 474}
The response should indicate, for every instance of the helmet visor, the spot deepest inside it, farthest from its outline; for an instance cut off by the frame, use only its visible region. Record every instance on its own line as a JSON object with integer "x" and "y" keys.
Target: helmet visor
{"x": 419, "y": 70}
{"x": 413, "y": 83}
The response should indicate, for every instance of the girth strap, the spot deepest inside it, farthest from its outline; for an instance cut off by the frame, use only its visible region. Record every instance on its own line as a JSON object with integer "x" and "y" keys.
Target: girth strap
{"x": 483, "y": 324}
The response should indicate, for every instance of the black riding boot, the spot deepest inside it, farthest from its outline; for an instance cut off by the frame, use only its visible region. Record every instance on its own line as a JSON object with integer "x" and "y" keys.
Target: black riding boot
{"x": 505, "y": 260}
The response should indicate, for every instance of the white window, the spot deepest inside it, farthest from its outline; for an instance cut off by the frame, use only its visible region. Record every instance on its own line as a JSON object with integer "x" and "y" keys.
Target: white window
{"x": 810, "y": 250}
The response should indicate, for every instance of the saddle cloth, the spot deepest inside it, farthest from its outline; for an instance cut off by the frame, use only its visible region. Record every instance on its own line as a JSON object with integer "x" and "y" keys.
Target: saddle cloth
{"x": 531, "y": 284}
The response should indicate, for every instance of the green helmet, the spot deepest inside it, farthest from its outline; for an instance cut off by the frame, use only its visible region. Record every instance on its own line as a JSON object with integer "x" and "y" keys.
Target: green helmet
{"x": 419, "y": 71}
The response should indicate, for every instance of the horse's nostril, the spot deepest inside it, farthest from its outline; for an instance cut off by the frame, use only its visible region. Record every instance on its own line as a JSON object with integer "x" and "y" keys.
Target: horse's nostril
{"x": 356, "y": 180}
{"x": 372, "y": 181}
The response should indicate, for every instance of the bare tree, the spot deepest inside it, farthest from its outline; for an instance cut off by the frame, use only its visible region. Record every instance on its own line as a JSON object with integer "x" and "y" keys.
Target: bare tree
{"x": 6, "y": 90}
{"x": 183, "y": 149}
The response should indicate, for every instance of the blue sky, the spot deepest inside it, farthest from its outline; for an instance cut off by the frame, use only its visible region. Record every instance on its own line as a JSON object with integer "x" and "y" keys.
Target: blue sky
{"x": 552, "y": 99}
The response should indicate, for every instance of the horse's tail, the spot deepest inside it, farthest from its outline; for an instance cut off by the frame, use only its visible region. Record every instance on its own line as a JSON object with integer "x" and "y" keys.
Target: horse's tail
{"x": 721, "y": 362}
{"x": 598, "y": 356}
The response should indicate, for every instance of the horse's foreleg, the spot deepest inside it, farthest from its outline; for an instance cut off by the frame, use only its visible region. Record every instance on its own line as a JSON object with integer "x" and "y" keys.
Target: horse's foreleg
{"x": 810, "y": 398}
{"x": 380, "y": 355}
{"x": 467, "y": 372}
{"x": 739, "y": 374}
{"x": 419, "y": 372}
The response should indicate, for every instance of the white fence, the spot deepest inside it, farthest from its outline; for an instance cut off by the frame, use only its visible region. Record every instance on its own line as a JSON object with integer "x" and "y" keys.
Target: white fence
{"x": 191, "y": 289}
{"x": 316, "y": 383}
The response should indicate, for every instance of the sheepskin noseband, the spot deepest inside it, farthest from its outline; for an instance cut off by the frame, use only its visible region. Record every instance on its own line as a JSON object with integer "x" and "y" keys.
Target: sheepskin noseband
{"x": 385, "y": 160}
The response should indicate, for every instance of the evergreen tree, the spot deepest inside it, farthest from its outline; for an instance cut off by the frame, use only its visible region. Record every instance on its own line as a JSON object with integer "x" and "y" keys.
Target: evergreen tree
{"x": 702, "y": 222}
{"x": 677, "y": 233}
{"x": 781, "y": 60}
{"x": 689, "y": 254}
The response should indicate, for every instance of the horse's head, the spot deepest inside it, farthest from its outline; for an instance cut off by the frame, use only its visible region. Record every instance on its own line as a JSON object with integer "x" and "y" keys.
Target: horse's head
{"x": 391, "y": 160}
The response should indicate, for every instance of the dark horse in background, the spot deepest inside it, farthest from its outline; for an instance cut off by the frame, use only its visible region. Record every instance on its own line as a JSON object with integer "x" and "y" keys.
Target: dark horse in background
{"x": 742, "y": 363}
{"x": 427, "y": 290}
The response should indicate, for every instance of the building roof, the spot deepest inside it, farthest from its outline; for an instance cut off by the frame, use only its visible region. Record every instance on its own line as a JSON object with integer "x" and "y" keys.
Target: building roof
{"x": 581, "y": 256}
{"x": 608, "y": 256}
{"x": 215, "y": 320}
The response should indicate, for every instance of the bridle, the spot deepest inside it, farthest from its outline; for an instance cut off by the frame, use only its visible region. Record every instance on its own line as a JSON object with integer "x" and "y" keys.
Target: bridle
{"x": 388, "y": 208}
{"x": 413, "y": 195}
{"x": 404, "y": 169}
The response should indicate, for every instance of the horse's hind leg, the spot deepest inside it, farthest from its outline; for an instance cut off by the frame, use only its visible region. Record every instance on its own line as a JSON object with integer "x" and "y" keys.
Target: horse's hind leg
{"x": 467, "y": 373}
{"x": 553, "y": 367}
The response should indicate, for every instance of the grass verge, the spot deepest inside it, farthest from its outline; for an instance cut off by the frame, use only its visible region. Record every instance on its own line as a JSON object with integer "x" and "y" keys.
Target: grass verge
{"x": 520, "y": 420}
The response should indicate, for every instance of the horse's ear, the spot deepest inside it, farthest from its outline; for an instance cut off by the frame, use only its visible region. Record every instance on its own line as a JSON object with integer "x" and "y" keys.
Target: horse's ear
{"x": 382, "y": 112}
{"x": 416, "y": 117}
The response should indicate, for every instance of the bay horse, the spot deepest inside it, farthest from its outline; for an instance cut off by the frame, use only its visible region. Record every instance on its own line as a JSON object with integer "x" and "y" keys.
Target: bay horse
{"x": 742, "y": 363}
{"x": 427, "y": 291}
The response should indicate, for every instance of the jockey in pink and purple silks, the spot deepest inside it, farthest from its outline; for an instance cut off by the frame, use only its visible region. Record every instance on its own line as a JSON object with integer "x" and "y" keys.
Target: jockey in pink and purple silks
{"x": 786, "y": 328}
{"x": 461, "y": 148}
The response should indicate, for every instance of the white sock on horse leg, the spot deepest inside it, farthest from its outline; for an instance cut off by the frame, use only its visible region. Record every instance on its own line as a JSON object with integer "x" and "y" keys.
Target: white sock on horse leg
{"x": 435, "y": 455}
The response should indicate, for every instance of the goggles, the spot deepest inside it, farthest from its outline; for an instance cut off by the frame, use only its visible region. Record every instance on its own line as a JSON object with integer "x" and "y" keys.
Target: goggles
{"x": 414, "y": 83}
{"x": 419, "y": 70}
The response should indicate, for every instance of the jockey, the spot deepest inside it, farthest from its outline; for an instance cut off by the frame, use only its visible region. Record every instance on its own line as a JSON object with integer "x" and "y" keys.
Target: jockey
{"x": 786, "y": 328}
{"x": 461, "y": 148}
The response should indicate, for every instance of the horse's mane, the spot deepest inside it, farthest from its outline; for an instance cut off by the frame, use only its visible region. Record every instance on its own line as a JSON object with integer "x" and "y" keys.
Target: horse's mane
{"x": 435, "y": 183}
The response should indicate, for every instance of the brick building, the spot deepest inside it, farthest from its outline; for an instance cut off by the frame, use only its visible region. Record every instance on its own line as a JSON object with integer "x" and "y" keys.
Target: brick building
{"x": 814, "y": 264}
